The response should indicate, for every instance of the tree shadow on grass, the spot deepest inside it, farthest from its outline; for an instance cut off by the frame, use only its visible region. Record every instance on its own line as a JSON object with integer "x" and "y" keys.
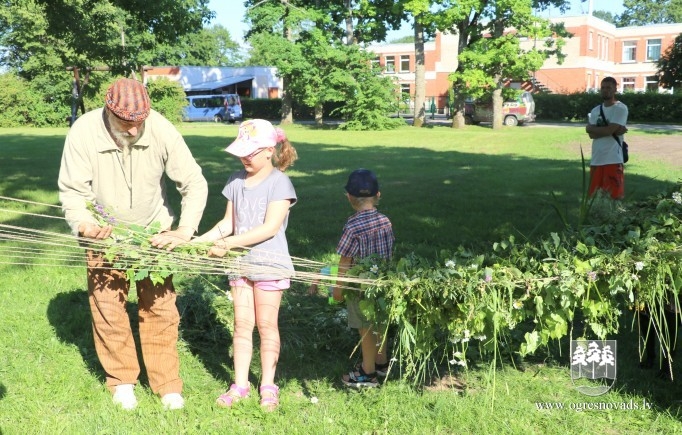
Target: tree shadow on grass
{"x": 69, "y": 315}
{"x": 3, "y": 391}
{"x": 205, "y": 319}
{"x": 315, "y": 340}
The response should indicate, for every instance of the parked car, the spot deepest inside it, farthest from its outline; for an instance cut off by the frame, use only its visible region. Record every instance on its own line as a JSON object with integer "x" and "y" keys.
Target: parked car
{"x": 217, "y": 108}
{"x": 233, "y": 108}
{"x": 514, "y": 112}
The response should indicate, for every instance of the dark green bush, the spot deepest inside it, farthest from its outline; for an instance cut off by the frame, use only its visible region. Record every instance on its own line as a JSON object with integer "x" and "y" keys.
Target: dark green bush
{"x": 642, "y": 107}
{"x": 168, "y": 98}
{"x": 23, "y": 105}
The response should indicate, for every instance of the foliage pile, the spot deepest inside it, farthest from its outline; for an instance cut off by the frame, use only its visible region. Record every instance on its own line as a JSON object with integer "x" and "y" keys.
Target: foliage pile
{"x": 523, "y": 295}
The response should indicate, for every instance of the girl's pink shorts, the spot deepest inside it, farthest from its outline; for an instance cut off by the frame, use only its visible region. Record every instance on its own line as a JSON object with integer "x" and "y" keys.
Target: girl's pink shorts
{"x": 281, "y": 284}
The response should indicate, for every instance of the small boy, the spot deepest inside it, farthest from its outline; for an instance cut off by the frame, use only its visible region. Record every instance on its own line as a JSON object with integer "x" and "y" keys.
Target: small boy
{"x": 367, "y": 232}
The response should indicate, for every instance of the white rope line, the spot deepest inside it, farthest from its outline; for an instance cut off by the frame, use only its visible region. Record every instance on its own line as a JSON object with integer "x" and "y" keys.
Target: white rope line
{"x": 68, "y": 249}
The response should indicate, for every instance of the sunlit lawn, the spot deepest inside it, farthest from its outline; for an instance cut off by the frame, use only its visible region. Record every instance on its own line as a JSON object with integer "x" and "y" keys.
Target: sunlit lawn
{"x": 440, "y": 187}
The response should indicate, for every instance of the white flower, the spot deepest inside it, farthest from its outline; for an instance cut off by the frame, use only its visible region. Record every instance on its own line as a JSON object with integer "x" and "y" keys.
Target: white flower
{"x": 677, "y": 197}
{"x": 374, "y": 269}
{"x": 480, "y": 337}
{"x": 450, "y": 264}
{"x": 229, "y": 296}
{"x": 314, "y": 400}
{"x": 457, "y": 355}
{"x": 462, "y": 363}
{"x": 639, "y": 265}
{"x": 394, "y": 359}
{"x": 517, "y": 305}
{"x": 453, "y": 361}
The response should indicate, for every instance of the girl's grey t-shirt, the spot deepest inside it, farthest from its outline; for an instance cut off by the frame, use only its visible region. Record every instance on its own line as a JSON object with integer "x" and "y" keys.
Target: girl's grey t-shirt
{"x": 270, "y": 259}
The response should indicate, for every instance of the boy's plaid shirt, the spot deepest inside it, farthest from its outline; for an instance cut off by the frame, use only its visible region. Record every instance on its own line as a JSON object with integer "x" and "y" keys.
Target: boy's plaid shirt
{"x": 367, "y": 232}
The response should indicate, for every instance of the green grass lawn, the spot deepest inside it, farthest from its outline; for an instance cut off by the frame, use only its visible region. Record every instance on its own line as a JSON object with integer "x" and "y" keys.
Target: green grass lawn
{"x": 441, "y": 188}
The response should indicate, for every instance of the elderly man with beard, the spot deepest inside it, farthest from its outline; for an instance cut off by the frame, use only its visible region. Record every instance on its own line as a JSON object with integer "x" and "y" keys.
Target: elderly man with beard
{"x": 118, "y": 157}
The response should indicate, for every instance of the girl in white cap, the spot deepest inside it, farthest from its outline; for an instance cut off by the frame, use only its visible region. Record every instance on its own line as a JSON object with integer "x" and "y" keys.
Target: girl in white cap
{"x": 258, "y": 201}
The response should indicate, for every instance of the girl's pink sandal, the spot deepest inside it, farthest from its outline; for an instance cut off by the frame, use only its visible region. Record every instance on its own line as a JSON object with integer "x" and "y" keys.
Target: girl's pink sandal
{"x": 232, "y": 396}
{"x": 269, "y": 397}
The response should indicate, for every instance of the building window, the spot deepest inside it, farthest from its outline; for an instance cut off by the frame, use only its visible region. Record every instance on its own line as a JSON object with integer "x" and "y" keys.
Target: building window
{"x": 375, "y": 62}
{"x": 405, "y": 91}
{"x": 405, "y": 63}
{"x": 629, "y": 51}
{"x": 606, "y": 48}
{"x": 651, "y": 83}
{"x": 628, "y": 84}
{"x": 653, "y": 49}
{"x": 589, "y": 41}
{"x": 390, "y": 64}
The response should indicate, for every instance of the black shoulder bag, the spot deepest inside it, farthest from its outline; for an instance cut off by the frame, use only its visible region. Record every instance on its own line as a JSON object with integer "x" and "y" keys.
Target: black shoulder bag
{"x": 624, "y": 145}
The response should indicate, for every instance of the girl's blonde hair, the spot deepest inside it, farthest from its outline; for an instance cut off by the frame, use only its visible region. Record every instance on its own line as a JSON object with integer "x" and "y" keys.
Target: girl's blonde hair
{"x": 285, "y": 154}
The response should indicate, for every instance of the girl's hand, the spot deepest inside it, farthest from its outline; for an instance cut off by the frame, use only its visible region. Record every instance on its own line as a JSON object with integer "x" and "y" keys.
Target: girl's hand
{"x": 219, "y": 249}
{"x": 216, "y": 251}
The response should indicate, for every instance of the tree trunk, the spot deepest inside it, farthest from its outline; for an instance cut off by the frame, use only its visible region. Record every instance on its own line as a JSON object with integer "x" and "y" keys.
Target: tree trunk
{"x": 287, "y": 100}
{"x": 349, "y": 22}
{"x": 319, "y": 113}
{"x": 419, "y": 76}
{"x": 497, "y": 105}
{"x": 458, "y": 119}
{"x": 287, "y": 103}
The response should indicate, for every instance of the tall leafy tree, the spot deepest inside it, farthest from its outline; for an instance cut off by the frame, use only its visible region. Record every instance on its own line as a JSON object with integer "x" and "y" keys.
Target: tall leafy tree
{"x": 670, "y": 66}
{"x": 606, "y": 16}
{"x": 643, "y": 12}
{"x": 488, "y": 53}
{"x": 275, "y": 25}
{"x": 211, "y": 46}
{"x": 41, "y": 38}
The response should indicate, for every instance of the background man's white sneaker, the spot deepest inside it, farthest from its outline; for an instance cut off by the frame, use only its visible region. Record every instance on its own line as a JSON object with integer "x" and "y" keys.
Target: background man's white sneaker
{"x": 173, "y": 401}
{"x": 124, "y": 396}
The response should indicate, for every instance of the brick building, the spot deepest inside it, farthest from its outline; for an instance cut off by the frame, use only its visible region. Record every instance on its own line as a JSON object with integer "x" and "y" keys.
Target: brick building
{"x": 596, "y": 50}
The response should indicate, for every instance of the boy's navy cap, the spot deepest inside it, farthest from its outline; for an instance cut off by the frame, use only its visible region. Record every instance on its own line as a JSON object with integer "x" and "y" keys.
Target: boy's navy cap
{"x": 362, "y": 183}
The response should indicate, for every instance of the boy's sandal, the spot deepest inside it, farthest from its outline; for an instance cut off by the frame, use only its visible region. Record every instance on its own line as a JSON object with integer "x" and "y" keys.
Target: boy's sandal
{"x": 269, "y": 397}
{"x": 361, "y": 379}
{"x": 381, "y": 369}
{"x": 232, "y": 396}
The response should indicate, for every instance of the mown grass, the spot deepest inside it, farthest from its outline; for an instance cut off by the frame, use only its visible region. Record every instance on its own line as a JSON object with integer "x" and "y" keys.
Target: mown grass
{"x": 441, "y": 188}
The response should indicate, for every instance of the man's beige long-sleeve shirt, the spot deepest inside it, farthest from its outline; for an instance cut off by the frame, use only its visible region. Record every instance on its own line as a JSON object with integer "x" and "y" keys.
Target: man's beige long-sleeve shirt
{"x": 93, "y": 169}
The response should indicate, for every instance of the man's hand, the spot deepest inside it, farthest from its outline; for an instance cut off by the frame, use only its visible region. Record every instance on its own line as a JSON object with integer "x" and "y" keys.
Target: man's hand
{"x": 621, "y": 130}
{"x": 171, "y": 239}
{"x": 94, "y": 231}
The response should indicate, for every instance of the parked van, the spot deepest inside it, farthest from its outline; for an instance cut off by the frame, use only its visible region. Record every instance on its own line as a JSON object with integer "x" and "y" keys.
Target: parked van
{"x": 217, "y": 108}
{"x": 514, "y": 112}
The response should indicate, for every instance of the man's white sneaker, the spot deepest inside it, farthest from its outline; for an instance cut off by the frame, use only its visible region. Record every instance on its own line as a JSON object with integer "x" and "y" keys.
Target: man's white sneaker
{"x": 173, "y": 401}
{"x": 124, "y": 396}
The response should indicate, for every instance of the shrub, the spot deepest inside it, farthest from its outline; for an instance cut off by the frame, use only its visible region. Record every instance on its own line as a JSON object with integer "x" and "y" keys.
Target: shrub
{"x": 642, "y": 107}
{"x": 23, "y": 105}
{"x": 168, "y": 98}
